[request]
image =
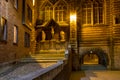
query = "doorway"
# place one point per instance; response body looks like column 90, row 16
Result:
column 90, row 59
column 94, row 59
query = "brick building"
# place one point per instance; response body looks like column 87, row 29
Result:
column 95, row 34
column 17, row 29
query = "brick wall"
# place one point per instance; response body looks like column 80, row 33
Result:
column 9, row 51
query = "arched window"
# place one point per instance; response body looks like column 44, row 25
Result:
column 90, row 59
column 60, row 13
column 92, row 12
column 87, row 10
column 48, row 13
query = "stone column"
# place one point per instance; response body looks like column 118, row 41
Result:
column 73, row 37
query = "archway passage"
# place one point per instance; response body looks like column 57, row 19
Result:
column 90, row 59
column 95, row 58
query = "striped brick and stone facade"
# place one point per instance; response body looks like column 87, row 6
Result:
column 96, row 30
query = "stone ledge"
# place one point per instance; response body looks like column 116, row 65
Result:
column 40, row 72
column 8, row 63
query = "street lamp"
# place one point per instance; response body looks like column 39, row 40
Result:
column 73, row 17
column 73, row 30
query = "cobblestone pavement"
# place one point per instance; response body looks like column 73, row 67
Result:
column 13, row 72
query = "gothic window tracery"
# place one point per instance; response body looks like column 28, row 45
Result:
column 60, row 12
column 92, row 12
column 56, row 11
column 48, row 13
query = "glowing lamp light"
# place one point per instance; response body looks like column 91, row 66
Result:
column 73, row 17
column 33, row 2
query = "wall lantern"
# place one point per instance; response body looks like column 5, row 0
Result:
column 33, row 2
column 73, row 17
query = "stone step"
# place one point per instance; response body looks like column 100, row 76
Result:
column 45, row 58
column 91, row 78
column 47, row 55
column 40, row 56
column 95, row 78
column 93, row 67
column 38, row 61
column 85, row 78
column 50, row 52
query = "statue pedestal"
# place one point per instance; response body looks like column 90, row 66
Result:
column 52, row 45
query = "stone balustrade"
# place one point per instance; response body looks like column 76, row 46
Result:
column 46, row 73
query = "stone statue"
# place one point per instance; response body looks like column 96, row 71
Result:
column 62, row 35
column 43, row 35
column 52, row 32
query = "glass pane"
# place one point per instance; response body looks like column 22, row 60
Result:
column 61, row 16
column 89, row 16
column 101, row 15
column 15, row 35
column 100, row 4
column 95, row 4
column 51, row 14
column 64, row 16
column 117, row 19
column 84, row 6
column 89, row 5
column 57, row 16
column 95, row 15
column 3, row 29
column 84, row 16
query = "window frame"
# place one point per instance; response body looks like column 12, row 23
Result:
column 15, row 4
column 94, row 8
column 15, row 35
column 48, row 10
column 29, row 13
column 60, row 13
column 115, row 17
column 26, row 40
column 3, row 30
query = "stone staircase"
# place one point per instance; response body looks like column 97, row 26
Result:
column 101, row 75
column 93, row 67
column 91, row 78
column 44, row 58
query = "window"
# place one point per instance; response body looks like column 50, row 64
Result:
column 27, row 39
column 117, row 19
column 15, row 2
column 116, row 7
column 92, row 12
column 15, row 37
column 48, row 13
column 3, row 29
column 60, row 13
column 87, row 8
column 29, row 15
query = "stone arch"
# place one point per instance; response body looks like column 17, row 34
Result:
column 102, row 56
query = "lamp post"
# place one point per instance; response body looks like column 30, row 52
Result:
column 73, row 17
column 73, row 40
column 73, row 30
